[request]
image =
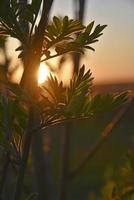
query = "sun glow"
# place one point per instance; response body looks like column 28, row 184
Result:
column 43, row 73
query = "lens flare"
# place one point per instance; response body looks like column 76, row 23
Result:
column 43, row 73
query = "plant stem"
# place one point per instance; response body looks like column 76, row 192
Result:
column 25, row 154
column 4, row 173
column 65, row 163
column 104, row 135
column 29, row 84
column 85, row 160
column 7, row 133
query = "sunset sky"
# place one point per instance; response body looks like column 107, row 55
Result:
column 113, row 59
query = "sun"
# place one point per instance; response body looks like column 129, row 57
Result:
column 43, row 73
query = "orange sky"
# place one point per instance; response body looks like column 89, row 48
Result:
column 113, row 59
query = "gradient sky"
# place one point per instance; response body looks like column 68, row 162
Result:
column 113, row 59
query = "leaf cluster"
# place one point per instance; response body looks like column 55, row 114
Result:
column 60, row 34
column 58, row 103
column 76, row 101
column 13, row 120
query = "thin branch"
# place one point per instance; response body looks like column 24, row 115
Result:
column 7, row 136
column 6, row 125
column 56, row 55
column 84, row 161
column 53, row 56
column 26, row 189
column 4, row 173
column 17, row 150
column 104, row 135
column 26, row 149
column 65, row 163
column 44, row 125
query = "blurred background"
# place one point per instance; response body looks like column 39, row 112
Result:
column 112, row 63
column 112, row 66
column 113, row 60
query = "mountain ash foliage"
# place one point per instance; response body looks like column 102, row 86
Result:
column 55, row 103
column 58, row 103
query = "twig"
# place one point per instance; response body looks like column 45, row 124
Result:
column 65, row 163
column 7, row 136
column 26, row 189
column 104, row 135
column 4, row 173
column 25, row 154
column 6, row 124
column 44, row 125
column 84, row 161
column 53, row 56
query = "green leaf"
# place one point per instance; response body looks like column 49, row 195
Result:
column 20, row 48
column 57, row 23
column 75, row 101
column 9, row 23
column 60, row 30
column 99, row 29
column 60, row 35
column 65, row 25
column 89, row 27
column 54, row 90
column 104, row 103
column 90, row 48
column 79, row 89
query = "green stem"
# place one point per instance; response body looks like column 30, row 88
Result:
column 25, row 154
column 106, row 132
column 65, row 164
column 4, row 173
column 53, row 56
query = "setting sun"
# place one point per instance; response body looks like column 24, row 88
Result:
column 43, row 73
